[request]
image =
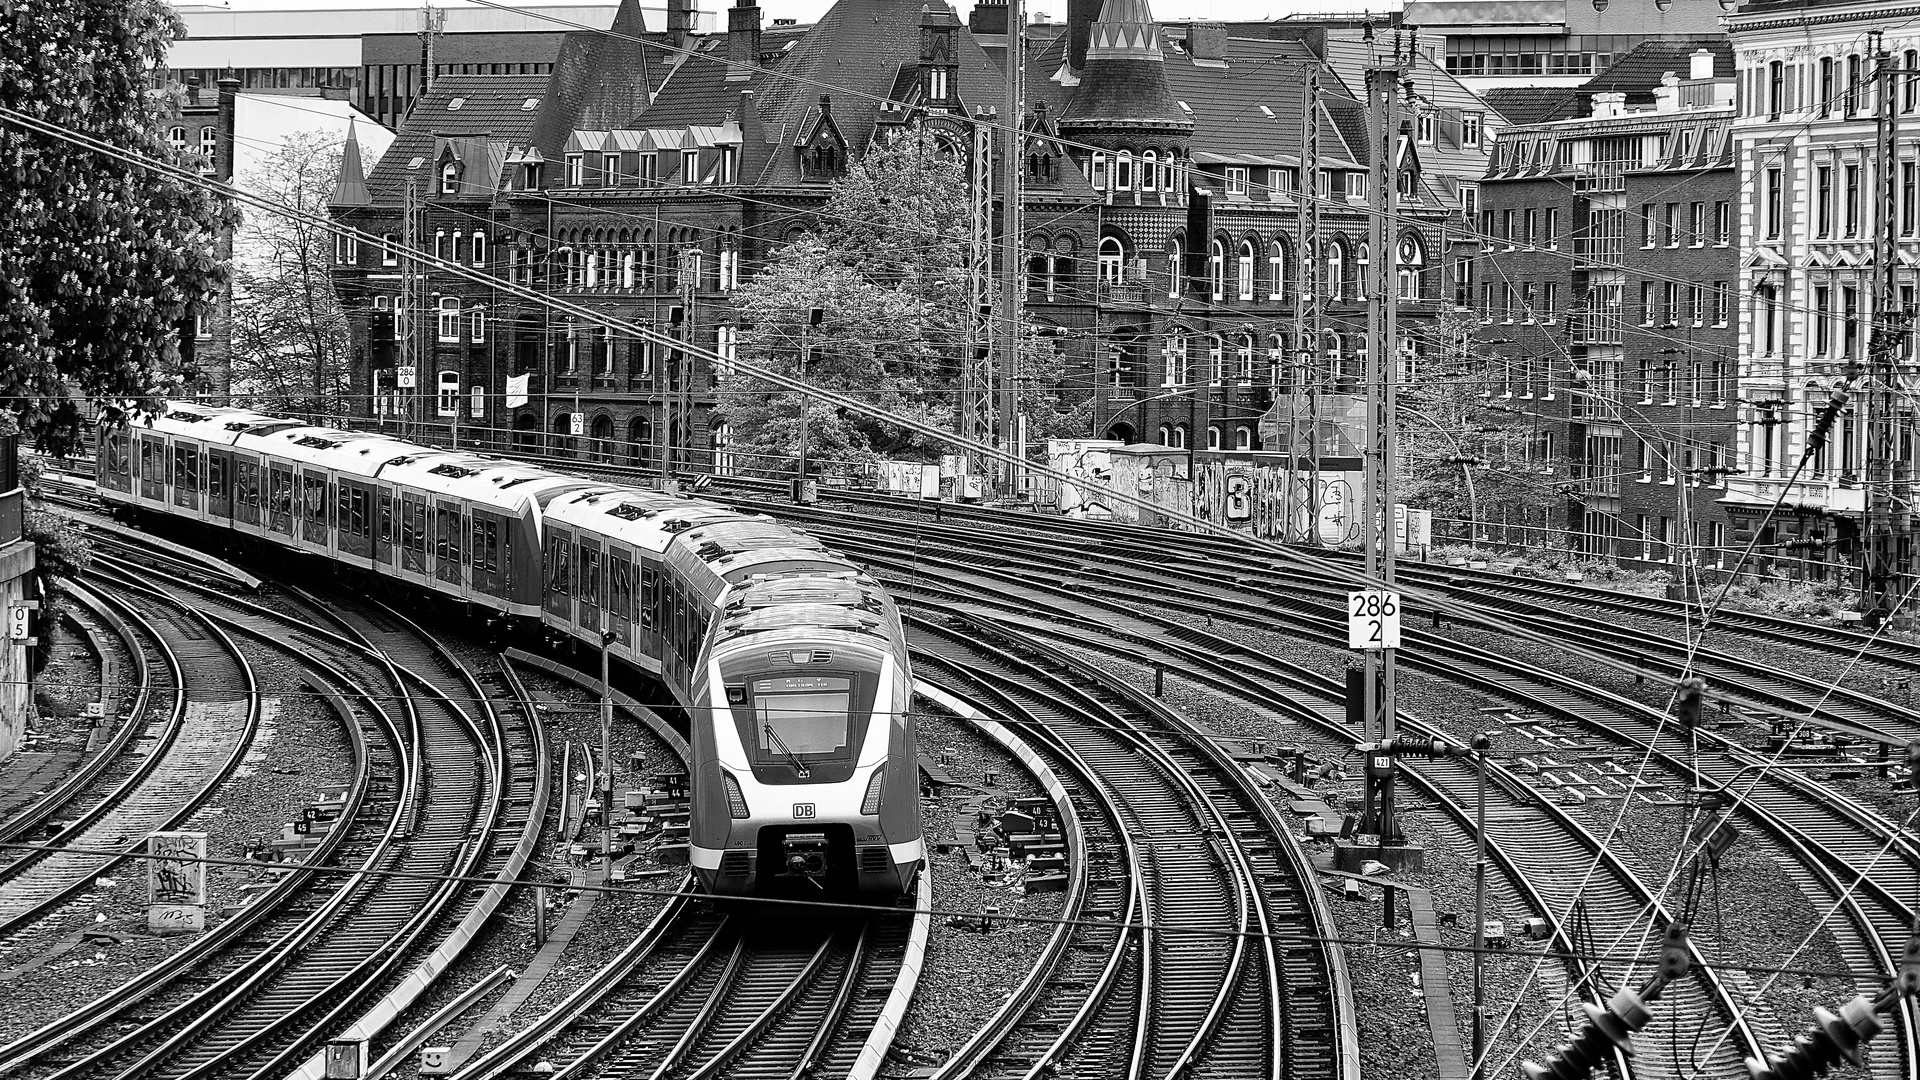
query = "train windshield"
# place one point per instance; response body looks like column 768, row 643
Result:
column 802, row 714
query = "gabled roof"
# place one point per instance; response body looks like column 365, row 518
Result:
column 1638, row 71
column 1256, row 104
column 1435, row 91
column 491, row 105
column 1535, row 104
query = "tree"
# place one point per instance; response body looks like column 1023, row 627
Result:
column 291, row 347
column 103, row 260
column 1452, row 424
column 886, row 268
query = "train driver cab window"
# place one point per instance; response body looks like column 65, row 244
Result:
column 798, row 715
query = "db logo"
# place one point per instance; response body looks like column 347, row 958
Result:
column 803, row 810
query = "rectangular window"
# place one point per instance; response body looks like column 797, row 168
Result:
column 1720, row 303
column 1647, row 314
column 1670, row 306
column 1533, row 230
column 610, row 170
column 1670, row 226
column 1550, row 311
column 1853, row 200
column 449, row 319
column 1774, row 194
column 1553, row 228
column 1697, row 224
column 689, row 166
column 1723, row 223
column 1909, row 195
column 1236, row 178
column 1470, row 129
column 1529, row 297
column 1822, row 320
column 1646, row 225
column 1823, row 200
column 1850, row 321
column 649, row 168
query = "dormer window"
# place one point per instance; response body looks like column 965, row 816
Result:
column 1236, row 180
column 729, row 165
column 530, row 176
column 609, row 169
column 450, row 178
column 576, row 170
column 937, row 84
column 689, row 166
column 649, row 168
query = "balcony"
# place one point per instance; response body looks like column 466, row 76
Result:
column 1596, row 251
column 1594, row 328
column 1599, row 176
column 1824, row 495
column 1123, row 292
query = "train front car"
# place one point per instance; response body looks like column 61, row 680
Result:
column 808, row 783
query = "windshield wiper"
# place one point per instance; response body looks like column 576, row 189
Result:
column 798, row 765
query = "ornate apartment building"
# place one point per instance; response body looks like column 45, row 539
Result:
column 1812, row 258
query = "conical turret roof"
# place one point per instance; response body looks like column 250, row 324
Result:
column 1125, row 79
column 351, row 187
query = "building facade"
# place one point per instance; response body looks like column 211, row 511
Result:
column 1607, row 296
column 1816, row 241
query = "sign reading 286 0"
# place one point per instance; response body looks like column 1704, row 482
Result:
column 1373, row 619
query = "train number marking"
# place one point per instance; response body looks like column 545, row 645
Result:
column 1373, row 619
column 803, row 811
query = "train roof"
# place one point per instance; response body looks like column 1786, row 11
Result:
column 360, row 452
column 211, row 423
column 482, row 479
column 649, row 520
column 846, row 600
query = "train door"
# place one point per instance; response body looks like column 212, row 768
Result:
column 413, row 533
column 219, row 483
column 314, row 507
column 649, row 605
column 153, row 468
column 449, row 528
column 483, row 553
column 246, row 490
column 279, row 497
column 620, row 594
column 186, row 474
column 353, row 518
column 587, row 577
column 114, row 458
column 383, row 528
column 558, row 562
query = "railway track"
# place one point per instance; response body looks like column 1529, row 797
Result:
column 212, row 710
column 450, row 810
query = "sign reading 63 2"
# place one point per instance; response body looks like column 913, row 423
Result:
column 1373, row 619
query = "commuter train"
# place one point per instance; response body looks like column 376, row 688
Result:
column 788, row 660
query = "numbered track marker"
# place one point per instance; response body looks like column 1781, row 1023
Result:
column 1373, row 619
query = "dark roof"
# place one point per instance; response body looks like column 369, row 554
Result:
column 1523, row 105
column 350, row 189
column 854, row 52
column 599, row 81
column 1638, row 71
column 1130, row 91
column 490, row 105
column 1227, row 101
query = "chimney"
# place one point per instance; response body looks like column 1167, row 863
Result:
column 223, row 149
column 743, row 40
column 1081, row 15
column 988, row 17
column 1666, row 96
column 1609, row 104
column 1207, row 41
column 679, row 23
column 1701, row 64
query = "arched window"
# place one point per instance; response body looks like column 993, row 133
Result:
column 1175, row 271
column 1097, row 172
column 447, row 400
column 1246, row 358
column 1149, row 166
column 1166, row 435
column 479, row 249
column 1216, row 360
column 1276, row 271
column 177, row 138
column 449, row 318
column 1112, row 261
column 720, row 437
column 726, row 349
column 477, row 326
column 1176, row 361
column 450, row 178
column 573, row 347
column 1217, row 269
column 1362, row 259
column 389, row 249
column 627, row 260
column 1277, row 360
column 1179, row 436
column 1336, row 354
column 1213, row 437
column 1123, row 171
column 1412, row 264
column 210, row 142
column 1242, row 437
column 1244, row 270
column 1336, row 269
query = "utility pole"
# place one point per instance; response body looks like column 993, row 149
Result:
column 1011, row 159
column 1306, row 300
column 407, row 375
column 1376, row 528
column 1886, row 541
column 976, row 365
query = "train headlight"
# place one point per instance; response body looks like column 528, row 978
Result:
column 736, row 802
column 871, row 804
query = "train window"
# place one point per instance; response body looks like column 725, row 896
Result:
column 619, row 587
column 150, row 461
column 486, row 545
column 117, row 452
column 247, row 483
column 590, row 575
column 413, row 526
column 217, row 469
column 477, row 543
column 386, row 516
column 280, row 499
column 313, row 496
column 354, row 517
column 807, row 714
column 558, row 564
column 445, row 546
column 649, row 597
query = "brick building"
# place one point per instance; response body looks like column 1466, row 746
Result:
column 1811, row 264
column 1606, row 297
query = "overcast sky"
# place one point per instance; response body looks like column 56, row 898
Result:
column 807, row 10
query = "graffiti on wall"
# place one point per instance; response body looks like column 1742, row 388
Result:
column 1265, row 500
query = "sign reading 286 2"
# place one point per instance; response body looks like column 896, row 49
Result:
column 1373, row 619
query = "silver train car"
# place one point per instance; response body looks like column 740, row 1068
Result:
column 789, row 661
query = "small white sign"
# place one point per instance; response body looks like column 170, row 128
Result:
column 19, row 619
column 1373, row 619
column 576, row 424
column 405, row 377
